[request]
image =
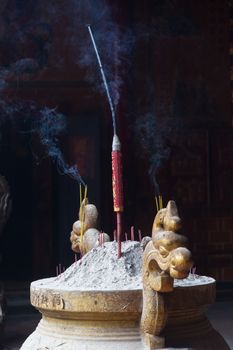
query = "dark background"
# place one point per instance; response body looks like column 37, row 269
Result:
column 186, row 70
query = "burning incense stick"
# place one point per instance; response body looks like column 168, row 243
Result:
column 157, row 204
column 116, row 153
column 160, row 202
column 80, row 194
column 81, row 209
column 83, row 215
column 117, row 187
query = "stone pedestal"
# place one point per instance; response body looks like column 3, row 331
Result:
column 104, row 320
column 86, row 320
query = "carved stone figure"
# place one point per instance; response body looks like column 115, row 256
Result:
column 165, row 257
column 85, row 234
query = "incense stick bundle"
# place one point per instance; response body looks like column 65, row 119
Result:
column 82, row 215
column 159, row 202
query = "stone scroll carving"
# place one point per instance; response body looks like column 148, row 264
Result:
column 165, row 257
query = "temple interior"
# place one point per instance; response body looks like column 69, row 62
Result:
column 169, row 64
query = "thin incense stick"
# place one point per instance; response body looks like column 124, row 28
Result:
column 157, row 204
column 140, row 235
column 104, row 80
column 81, row 210
column 114, row 235
column 80, row 195
column 160, row 202
column 100, row 239
column 83, row 214
column 119, row 227
column 85, row 195
column 132, row 233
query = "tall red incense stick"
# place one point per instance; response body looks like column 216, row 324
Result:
column 117, row 187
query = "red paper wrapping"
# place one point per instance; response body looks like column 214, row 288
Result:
column 117, row 185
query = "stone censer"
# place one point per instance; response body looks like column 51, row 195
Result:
column 161, row 311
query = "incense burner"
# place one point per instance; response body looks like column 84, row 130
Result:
column 166, row 311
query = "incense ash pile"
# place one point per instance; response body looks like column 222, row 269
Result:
column 100, row 269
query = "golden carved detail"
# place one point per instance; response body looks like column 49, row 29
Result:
column 85, row 235
column 165, row 257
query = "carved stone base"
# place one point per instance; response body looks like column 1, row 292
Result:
column 86, row 320
column 86, row 335
column 110, row 320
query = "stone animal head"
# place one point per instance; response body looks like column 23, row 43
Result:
column 164, row 231
column 167, row 218
column 174, row 257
